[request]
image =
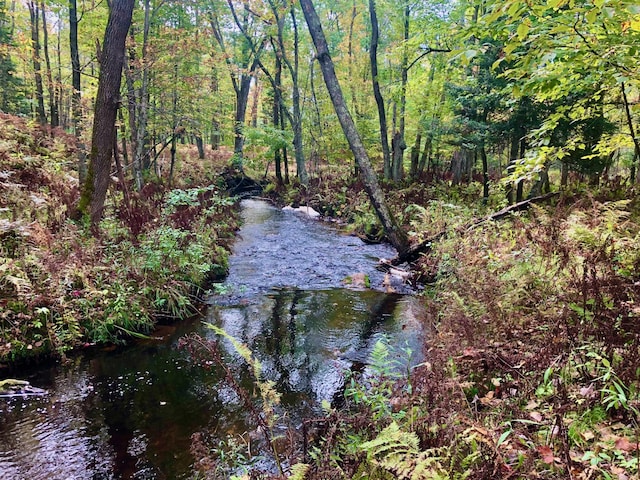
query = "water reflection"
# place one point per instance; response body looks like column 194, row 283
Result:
column 130, row 414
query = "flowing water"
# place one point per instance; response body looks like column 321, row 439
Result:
column 131, row 413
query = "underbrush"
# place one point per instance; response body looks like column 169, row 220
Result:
column 61, row 287
column 537, row 337
column 532, row 366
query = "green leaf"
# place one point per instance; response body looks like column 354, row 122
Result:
column 523, row 30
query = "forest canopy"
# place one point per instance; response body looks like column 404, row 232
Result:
column 504, row 92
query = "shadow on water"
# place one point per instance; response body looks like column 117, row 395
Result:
column 131, row 413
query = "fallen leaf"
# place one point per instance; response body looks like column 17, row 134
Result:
column 587, row 435
column 537, row 416
column 588, row 392
column 546, row 453
column 625, row 445
column 532, row 405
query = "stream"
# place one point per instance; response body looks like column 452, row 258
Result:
column 130, row 413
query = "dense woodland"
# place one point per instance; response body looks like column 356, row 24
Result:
column 123, row 126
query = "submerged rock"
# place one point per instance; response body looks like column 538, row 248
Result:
column 12, row 388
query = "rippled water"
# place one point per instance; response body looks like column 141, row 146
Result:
column 131, row 413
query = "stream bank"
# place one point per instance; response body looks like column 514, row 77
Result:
column 131, row 413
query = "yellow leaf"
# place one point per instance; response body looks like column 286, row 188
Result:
column 635, row 25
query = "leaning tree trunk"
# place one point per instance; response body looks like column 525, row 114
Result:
column 106, row 107
column 382, row 117
column 396, row 236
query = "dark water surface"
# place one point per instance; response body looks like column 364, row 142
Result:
column 131, row 413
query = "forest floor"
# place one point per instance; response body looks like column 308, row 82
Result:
column 62, row 288
column 532, row 367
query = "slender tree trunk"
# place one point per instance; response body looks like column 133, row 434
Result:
column 106, row 107
column 382, row 117
column 276, row 116
column 63, row 113
column 285, row 156
column 123, row 137
column 636, row 141
column 255, row 102
column 143, row 99
column 174, row 123
column 215, row 124
column 394, row 233
column 399, row 144
column 53, row 104
column 120, row 170
column 132, row 100
column 415, row 155
column 200, row 146
column 297, row 113
column 485, row 172
column 520, row 184
column 314, row 97
column 242, row 99
column 35, row 56
column 352, row 82
column 76, row 100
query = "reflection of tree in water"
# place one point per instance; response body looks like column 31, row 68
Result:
column 307, row 339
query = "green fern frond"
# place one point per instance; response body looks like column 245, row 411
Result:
column 397, row 452
column 299, row 471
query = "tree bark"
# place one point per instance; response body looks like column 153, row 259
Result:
column 636, row 142
column 35, row 56
column 76, row 97
column 106, row 107
column 276, row 116
column 415, row 156
column 399, row 144
column 485, row 172
column 394, row 233
column 297, row 113
column 53, row 102
column 143, row 99
column 382, row 117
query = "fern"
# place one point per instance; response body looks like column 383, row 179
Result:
column 397, row 452
column 299, row 471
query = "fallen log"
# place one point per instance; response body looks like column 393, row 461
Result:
column 415, row 251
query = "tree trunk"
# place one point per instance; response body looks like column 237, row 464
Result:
column 215, row 124
column 76, row 101
column 636, row 141
column 396, row 236
column 106, row 107
column 255, row 101
column 276, row 116
column 200, row 146
column 35, row 56
column 399, row 144
column 143, row 99
column 297, row 114
column 564, row 174
column 485, row 172
column 53, row 102
column 426, row 155
column 415, row 155
column 382, row 117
